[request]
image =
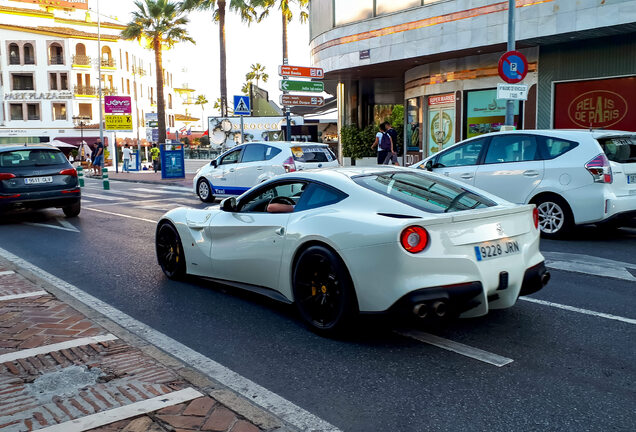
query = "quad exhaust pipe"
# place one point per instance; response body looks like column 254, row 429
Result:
column 438, row 308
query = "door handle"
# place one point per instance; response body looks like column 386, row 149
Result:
column 466, row 176
column 446, row 173
column 259, row 169
column 280, row 231
column 531, row 173
column 231, row 170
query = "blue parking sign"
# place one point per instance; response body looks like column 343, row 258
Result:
column 242, row 105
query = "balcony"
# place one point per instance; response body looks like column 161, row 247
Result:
column 56, row 60
column 109, row 91
column 29, row 60
column 136, row 70
column 108, row 63
column 84, row 90
column 14, row 60
column 81, row 60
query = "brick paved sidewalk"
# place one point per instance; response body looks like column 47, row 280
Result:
column 61, row 371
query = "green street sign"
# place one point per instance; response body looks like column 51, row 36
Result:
column 152, row 124
column 302, row 86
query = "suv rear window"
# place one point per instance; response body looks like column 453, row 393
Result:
column 309, row 154
column 619, row 149
column 422, row 191
column 31, row 157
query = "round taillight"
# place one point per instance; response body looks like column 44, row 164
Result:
column 535, row 217
column 414, row 239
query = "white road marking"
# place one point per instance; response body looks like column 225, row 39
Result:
column 579, row 310
column 158, row 190
column 121, row 215
column 258, row 395
column 6, row 272
column 25, row 295
column 589, row 265
column 103, row 197
column 66, row 224
column 51, row 226
column 177, row 188
column 132, row 410
column 459, row 348
column 45, row 349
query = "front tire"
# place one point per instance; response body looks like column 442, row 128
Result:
column 204, row 191
column 170, row 252
column 555, row 217
column 72, row 210
column 323, row 291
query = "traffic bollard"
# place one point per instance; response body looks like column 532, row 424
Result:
column 80, row 175
column 105, row 178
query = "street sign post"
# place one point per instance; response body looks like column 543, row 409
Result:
column 118, row 122
column 300, row 71
column 242, row 107
column 512, row 91
column 302, row 86
column 298, row 100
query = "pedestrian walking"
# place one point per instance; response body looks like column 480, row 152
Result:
column 126, row 152
column 154, row 154
column 71, row 159
column 98, row 160
column 393, row 156
column 383, row 144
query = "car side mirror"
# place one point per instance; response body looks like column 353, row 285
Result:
column 429, row 165
column 213, row 163
column 229, row 204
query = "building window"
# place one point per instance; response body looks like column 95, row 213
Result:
column 63, row 81
column 22, row 81
column 169, row 101
column 52, row 81
column 127, row 86
column 59, row 111
column 80, row 58
column 58, row 81
column 14, row 54
column 127, row 61
column 33, row 111
column 353, row 11
column 107, row 57
column 56, row 54
column 86, row 110
column 16, row 111
column 29, row 54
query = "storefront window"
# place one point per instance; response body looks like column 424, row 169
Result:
column 485, row 113
column 413, row 125
column 348, row 11
column 387, row 6
column 441, row 122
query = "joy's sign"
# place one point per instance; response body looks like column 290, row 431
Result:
column 117, row 105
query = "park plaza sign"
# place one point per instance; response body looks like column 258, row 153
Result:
column 18, row 96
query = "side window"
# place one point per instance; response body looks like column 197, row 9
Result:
column 555, row 147
column 271, row 152
column 511, row 148
column 254, row 153
column 231, row 158
column 285, row 193
column 462, row 155
column 319, row 196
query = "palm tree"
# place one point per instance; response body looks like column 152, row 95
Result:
column 162, row 22
column 286, row 15
column 201, row 100
column 257, row 73
column 248, row 14
column 218, row 103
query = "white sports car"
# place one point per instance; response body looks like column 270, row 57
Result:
column 345, row 241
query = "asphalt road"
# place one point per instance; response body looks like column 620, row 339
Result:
column 571, row 369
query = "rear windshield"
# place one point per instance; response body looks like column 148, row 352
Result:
column 422, row 191
column 310, row 154
column 619, row 149
column 31, row 157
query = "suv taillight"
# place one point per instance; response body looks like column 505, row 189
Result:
column 600, row 169
column 289, row 165
column 6, row 176
column 70, row 172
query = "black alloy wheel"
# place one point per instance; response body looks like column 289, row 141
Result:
column 170, row 252
column 323, row 292
column 72, row 210
column 204, row 191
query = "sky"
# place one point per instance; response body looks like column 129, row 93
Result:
column 198, row 65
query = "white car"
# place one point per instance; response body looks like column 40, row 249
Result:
column 574, row 177
column 368, row 240
column 244, row 166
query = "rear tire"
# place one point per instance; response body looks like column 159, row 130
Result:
column 72, row 210
column 204, row 190
column 323, row 292
column 170, row 252
column 555, row 217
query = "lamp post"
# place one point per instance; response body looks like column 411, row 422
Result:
column 79, row 122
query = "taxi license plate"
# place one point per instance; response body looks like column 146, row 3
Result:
column 631, row 178
column 491, row 250
column 38, row 180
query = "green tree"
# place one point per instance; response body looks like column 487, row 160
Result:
column 163, row 24
column 218, row 103
column 257, row 73
column 286, row 14
column 201, row 100
column 218, row 8
column 246, row 88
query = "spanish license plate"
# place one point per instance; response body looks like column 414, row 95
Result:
column 38, row 180
column 631, row 178
column 491, row 250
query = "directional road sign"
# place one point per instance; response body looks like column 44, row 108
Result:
column 513, row 67
column 116, row 122
column 242, row 105
column 303, row 86
column 300, row 71
column 297, row 100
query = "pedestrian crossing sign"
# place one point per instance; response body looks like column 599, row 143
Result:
column 242, row 105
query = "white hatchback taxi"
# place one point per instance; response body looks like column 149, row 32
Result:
column 247, row 165
column 574, row 177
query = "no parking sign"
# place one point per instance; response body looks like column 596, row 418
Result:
column 513, row 67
